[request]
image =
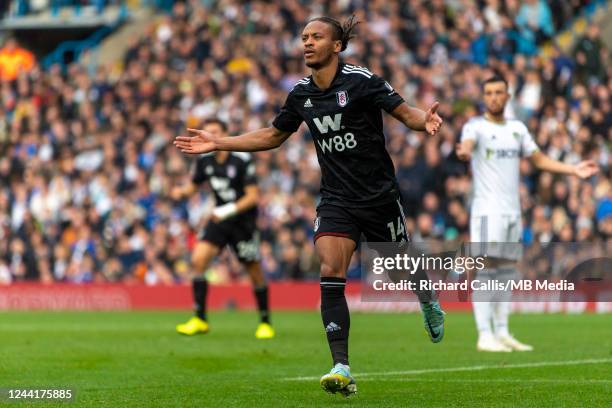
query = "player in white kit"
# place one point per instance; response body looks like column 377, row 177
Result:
column 495, row 146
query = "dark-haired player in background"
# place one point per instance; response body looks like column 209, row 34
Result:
column 231, row 177
column 341, row 104
column 494, row 145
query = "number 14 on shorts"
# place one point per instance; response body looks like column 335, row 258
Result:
column 398, row 232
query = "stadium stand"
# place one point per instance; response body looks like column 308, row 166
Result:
column 86, row 160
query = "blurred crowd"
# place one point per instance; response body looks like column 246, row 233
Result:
column 86, row 160
column 21, row 8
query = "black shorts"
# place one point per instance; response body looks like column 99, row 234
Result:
column 240, row 234
column 383, row 223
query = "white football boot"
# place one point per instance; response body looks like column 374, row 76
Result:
column 514, row 344
column 489, row 343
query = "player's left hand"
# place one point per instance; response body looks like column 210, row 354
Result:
column 586, row 169
column 433, row 121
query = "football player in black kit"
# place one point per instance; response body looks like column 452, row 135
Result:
column 341, row 104
column 231, row 176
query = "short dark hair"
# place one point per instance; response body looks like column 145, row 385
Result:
column 340, row 32
column 495, row 78
column 216, row 121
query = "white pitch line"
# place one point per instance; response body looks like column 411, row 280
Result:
column 470, row 368
column 502, row 380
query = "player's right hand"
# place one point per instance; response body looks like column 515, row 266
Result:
column 200, row 142
column 462, row 152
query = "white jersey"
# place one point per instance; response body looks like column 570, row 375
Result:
column 495, row 163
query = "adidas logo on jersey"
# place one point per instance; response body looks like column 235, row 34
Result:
column 332, row 327
column 308, row 104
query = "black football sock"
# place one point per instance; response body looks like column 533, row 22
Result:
column 261, row 296
column 200, row 289
column 415, row 276
column 424, row 295
column 336, row 317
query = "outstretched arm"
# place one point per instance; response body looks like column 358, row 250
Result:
column 584, row 169
column 464, row 149
column 417, row 119
column 201, row 141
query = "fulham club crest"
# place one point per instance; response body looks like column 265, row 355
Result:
column 231, row 171
column 342, row 98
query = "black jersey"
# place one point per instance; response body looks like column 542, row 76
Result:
column 227, row 179
column 346, row 124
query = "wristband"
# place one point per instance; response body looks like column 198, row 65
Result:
column 225, row 211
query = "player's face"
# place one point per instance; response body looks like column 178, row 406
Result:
column 215, row 129
column 319, row 48
column 495, row 97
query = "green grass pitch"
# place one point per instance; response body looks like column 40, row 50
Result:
column 135, row 359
